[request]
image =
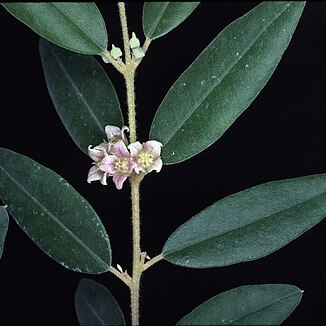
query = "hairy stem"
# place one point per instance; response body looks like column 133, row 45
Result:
column 137, row 262
column 137, row 265
column 116, row 64
column 152, row 262
column 125, row 34
column 125, row 278
column 130, row 85
column 128, row 70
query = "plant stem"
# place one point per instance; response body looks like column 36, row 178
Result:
column 130, row 86
column 125, row 35
column 129, row 74
column 125, row 278
column 152, row 262
column 137, row 262
column 117, row 65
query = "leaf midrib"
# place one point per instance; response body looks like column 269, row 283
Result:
column 92, row 309
column 194, row 243
column 159, row 17
column 70, row 18
column 57, row 221
column 210, row 89
column 231, row 322
column 75, row 87
column 264, row 307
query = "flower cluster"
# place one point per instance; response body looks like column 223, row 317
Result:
column 112, row 157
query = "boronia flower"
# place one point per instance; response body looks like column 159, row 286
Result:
column 112, row 158
column 119, row 165
column 114, row 134
column 147, row 156
column 99, row 152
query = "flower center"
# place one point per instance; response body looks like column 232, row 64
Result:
column 121, row 165
column 145, row 159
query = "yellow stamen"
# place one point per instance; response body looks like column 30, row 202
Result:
column 145, row 159
column 121, row 164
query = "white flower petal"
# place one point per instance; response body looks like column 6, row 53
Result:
column 107, row 164
column 103, row 179
column 120, row 149
column 119, row 179
column 132, row 165
column 123, row 129
column 157, row 165
column 112, row 132
column 135, row 148
column 97, row 153
column 94, row 174
column 154, row 147
column 139, row 169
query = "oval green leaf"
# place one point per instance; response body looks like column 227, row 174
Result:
column 4, row 221
column 267, row 304
column 53, row 214
column 76, row 26
column 249, row 224
column 95, row 305
column 82, row 93
column 222, row 82
column 159, row 18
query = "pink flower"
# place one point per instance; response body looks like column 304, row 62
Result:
column 97, row 154
column 112, row 158
column 114, row 134
column 120, row 165
column 147, row 156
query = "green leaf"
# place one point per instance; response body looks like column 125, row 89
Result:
column 4, row 221
column 95, row 305
column 267, row 304
column 82, row 93
column 53, row 214
column 249, row 224
column 159, row 18
column 222, row 82
column 76, row 26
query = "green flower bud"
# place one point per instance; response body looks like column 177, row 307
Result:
column 115, row 52
column 134, row 41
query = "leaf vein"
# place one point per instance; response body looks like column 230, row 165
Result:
column 159, row 17
column 55, row 219
column 92, row 309
column 77, row 25
column 264, row 307
column 78, row 92
column 217, row 234
column 211, row 88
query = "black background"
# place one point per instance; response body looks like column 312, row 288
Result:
column 281, row 135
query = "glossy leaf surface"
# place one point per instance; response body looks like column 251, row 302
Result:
column 4, row 221
column 82, row 93
column 249, row 224
column 53, row 214
column 224, row 79
column 267, row 304
column 95, row 305
column 76, row 26
column 159, row 18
